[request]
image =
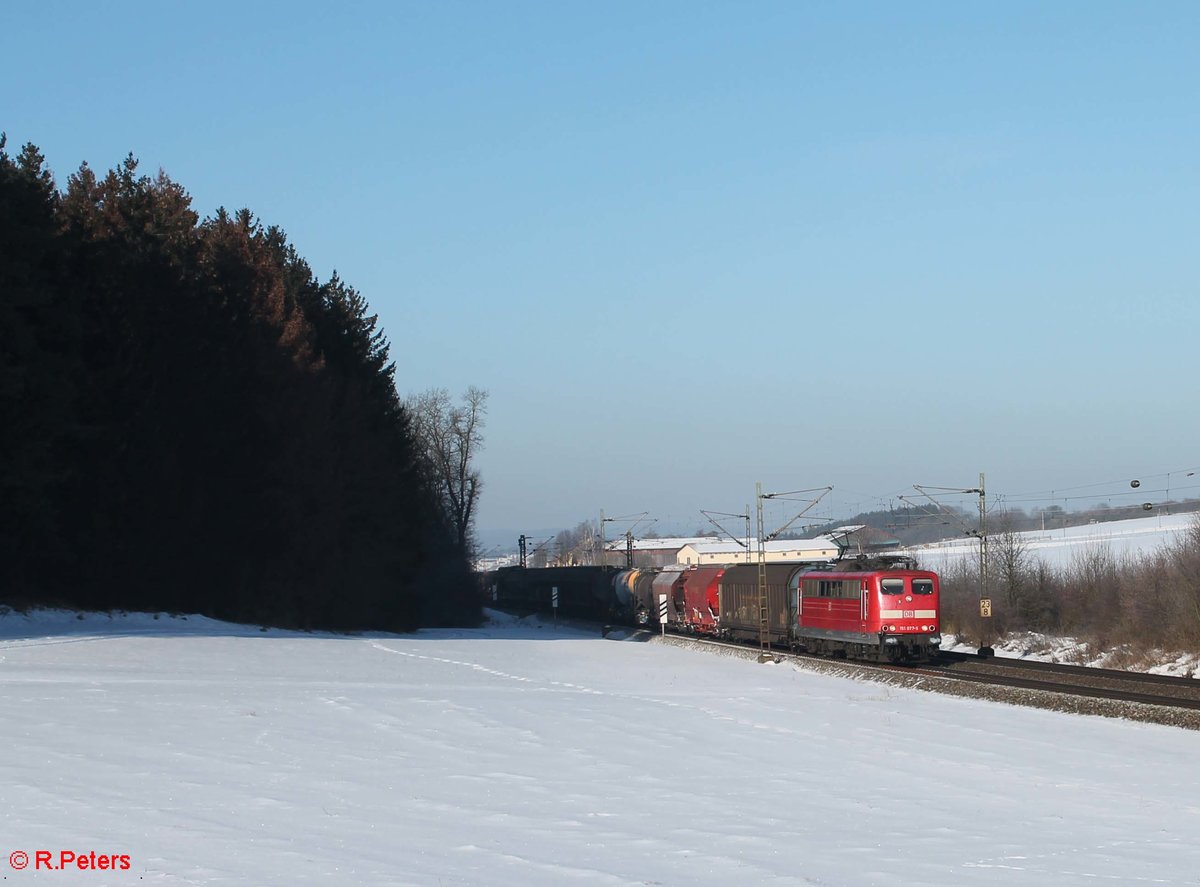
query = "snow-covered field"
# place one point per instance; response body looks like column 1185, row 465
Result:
column 521, row 754
column 1059, row 548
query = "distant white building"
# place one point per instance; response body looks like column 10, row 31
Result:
column 649, row 552
column 710, row 552
column 487, row 564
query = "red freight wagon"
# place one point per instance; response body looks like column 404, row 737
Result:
column 700, row 605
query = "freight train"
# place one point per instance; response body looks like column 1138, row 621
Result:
column 886, row 611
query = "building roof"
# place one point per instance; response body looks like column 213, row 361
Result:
column 711, row 547
column 673, row 543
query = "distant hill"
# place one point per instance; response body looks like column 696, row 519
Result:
column 1061, row 546
column 917, row 526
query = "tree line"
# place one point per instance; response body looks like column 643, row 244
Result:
column 1135, row 602
column 190, row 421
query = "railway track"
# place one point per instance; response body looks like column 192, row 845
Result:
column 1078, row 689
column 1135, row 696
column 1072, row 680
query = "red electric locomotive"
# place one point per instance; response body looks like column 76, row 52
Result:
column 854, row 609
column 888, row 614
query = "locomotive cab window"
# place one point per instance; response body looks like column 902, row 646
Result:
column 922, row 586
column 892, row 586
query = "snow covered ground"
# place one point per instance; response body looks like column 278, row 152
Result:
column 522, row 754
column 1058, row 547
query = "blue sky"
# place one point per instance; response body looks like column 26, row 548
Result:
column 692, row 246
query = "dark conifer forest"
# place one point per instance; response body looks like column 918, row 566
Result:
column 191, row 422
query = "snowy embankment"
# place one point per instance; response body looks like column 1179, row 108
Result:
column 1072, row 651
column 522, row 754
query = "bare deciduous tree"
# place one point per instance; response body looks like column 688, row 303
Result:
column 450, row 436
column 1010, row 556
column 577, row 546
column 1185, row 562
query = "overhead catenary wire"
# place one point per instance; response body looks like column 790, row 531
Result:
column 1183, row 483
column 1057, row 492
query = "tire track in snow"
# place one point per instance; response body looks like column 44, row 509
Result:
column 552, row 686
column 474, row 666
column 1051, row 865
column 56, row 641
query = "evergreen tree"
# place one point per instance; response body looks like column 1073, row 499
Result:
column 38, row 340
column 193, row 422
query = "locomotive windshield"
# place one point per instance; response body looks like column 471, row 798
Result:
column 892, row 586
column 922, row 586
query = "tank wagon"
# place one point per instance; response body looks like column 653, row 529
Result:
column 635, row 588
